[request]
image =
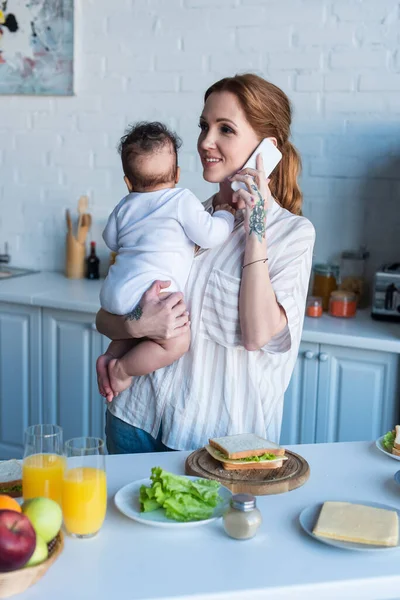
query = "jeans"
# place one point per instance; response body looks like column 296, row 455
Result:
column 122, row 438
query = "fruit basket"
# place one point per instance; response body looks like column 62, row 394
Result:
column 15, row 582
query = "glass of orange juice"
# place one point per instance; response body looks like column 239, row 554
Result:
column 84, row 489
column 43, row 462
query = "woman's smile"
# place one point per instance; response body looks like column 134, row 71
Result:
column 209, row 162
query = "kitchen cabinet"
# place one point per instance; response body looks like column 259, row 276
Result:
column 20, row 375
column 300, row 405
column 71, row 399
column 340, row 394
column 359, row 394
column 47, row 374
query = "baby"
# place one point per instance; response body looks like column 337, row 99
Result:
column 153, row 230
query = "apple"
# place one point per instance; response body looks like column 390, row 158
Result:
column 45, row 515
column 17, row 540
column 40, row 554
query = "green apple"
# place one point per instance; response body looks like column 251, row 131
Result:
column 45, row 516
column 40, row 553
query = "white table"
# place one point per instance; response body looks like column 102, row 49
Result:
column 131, row 561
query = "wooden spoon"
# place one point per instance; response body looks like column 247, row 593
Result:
column 82, row 233
column 84, row 228
column 68, row 219
column 87, row 220
column 82, row 208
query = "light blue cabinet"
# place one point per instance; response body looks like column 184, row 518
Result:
column 358, row 395
column 20, row 375
column 71, row 346
column 300, row 406
column 340, row 394
column 47, row 374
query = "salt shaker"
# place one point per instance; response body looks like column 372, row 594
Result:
column 242, row 519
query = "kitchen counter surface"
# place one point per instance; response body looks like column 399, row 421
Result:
column 53, row 290
column 138, row 562
column 359, row 332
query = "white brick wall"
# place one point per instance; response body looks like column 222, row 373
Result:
column 143, row 59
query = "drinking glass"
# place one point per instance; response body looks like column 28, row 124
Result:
column 43, row 462
column 84, row 489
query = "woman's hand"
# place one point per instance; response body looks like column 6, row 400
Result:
column 255, row 199
column 161, row 315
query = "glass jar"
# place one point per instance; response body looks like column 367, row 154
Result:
column 352, row 274
column 314, row 306
column 325, row 281
column 342, row 304
column 242, row 519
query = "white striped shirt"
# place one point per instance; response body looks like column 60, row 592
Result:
column 218, row 388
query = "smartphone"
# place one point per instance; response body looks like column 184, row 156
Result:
column 271, row 157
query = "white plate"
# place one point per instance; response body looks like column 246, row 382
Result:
column 308, row 518
column 381, row 447
column 127, row 502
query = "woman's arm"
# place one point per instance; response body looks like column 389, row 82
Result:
column 113, row 326
column 161, row 316
column 261, row 317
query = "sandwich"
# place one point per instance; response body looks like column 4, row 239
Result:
column 11, row 478
column 246, row 451
column 396, row 441
column 391, row 441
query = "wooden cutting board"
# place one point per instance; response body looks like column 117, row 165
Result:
column 259, row 482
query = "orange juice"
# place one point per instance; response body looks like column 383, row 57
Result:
column 42, row 475
column 84, row 500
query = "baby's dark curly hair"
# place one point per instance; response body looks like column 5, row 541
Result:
column 140, row 141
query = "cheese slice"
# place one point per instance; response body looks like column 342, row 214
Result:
column 358, row 523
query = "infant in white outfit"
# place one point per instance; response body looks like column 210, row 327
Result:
column 153, row 230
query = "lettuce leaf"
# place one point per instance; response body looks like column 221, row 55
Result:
column 4, row 489
column 182, row 498
column 266, row 456
column 388, row 440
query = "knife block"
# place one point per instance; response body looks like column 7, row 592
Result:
column 75, row 258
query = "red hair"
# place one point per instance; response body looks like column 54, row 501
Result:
column 268, row 110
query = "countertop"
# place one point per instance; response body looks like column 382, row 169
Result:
column 53, row 290
column 137, row 562
column 359, row 332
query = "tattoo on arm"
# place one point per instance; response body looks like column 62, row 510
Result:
column 258, row 216
column 135, row 314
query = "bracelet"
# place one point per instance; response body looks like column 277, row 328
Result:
column 264, row 260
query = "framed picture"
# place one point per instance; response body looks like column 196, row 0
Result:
column 37, row 47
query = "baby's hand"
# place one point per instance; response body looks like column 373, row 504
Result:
column 227, row 207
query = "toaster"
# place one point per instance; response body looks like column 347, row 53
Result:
column 386, row 293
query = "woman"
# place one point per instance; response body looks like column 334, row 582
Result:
column 245, row 298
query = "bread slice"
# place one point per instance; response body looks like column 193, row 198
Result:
column 396, row 443
column 395, row 451
column 358, row 523
column 240, row 463
column 243, row 445
column 11, row 478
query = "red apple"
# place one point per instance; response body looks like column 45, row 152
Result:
column 17, row 540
